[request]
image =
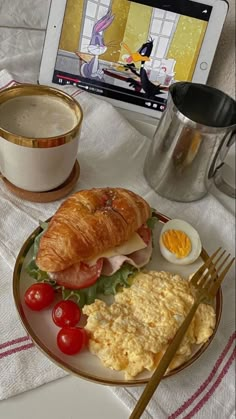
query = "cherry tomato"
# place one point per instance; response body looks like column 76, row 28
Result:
column 39, row 296
column 66, row 313
column 79, row 275
column 145, row 233
column 71, row 340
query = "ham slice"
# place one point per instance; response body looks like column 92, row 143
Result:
column 70, row 276
column 137, row 259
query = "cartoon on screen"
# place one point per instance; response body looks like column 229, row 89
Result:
column 127, row 48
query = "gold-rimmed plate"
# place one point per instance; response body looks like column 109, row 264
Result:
column 43, row 331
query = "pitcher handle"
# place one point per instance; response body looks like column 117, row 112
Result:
column 214, row 167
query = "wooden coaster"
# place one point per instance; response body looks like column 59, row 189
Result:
column 48, row 196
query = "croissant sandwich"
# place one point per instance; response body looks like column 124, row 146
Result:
column 95, row 233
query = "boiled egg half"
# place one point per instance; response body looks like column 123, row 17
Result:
column 179, row 242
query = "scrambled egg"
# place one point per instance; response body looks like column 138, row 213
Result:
column 132, row 334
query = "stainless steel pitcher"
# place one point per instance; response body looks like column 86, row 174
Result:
column 191, row 141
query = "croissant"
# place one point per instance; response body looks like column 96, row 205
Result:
column 88, row 223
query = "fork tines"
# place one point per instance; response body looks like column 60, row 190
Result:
column 209, row 276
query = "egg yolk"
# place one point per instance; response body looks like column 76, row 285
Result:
column 177, row 242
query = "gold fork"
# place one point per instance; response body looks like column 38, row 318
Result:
column 206, row 282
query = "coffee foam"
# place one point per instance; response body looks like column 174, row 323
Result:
column 36, row 116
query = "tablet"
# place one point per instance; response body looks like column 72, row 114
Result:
column 130, row 52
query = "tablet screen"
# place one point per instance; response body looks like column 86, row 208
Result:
column 130, row 51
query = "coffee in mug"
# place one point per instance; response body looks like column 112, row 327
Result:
column 39, row 136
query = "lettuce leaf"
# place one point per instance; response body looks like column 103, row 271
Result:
column 33, row 270
column 108, row 285
column 151, row 222
column 105, row 285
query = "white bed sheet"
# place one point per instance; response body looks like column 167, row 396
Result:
column 22, row 30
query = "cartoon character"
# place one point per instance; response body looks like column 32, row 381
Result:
column 97, row 47
column 143, row 54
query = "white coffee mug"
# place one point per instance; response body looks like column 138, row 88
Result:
column 39, row 136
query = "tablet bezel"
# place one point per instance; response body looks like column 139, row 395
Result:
column 201, row 72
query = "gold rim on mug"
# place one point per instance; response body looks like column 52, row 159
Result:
column 69, row 368
column 40, row 90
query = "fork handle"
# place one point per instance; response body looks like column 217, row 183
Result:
column 164, row 363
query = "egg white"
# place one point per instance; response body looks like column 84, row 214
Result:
column 194, row 237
